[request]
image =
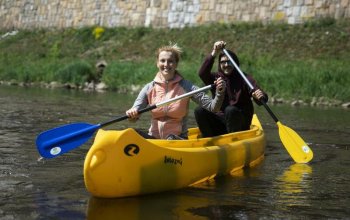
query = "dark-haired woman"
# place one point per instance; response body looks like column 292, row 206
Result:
column 237, row 110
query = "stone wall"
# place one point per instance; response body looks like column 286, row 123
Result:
column 26, row 14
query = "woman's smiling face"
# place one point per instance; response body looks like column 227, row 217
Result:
column 226, row 65
column 167, row 64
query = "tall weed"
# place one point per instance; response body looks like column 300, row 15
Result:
column 77, row 72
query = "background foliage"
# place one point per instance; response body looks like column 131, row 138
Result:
column 299, row 61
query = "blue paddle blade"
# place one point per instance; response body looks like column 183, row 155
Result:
column 60, row 140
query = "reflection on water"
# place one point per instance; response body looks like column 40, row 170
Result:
column 276, row 189
column 158, row 206
column 294, row 185
column 295, row 179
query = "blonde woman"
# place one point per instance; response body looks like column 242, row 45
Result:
column 170, row 122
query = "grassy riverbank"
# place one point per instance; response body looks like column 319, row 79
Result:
column 288, row 61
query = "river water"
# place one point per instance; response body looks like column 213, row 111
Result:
column 36, row 188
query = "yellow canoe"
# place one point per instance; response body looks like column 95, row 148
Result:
column 122, row 163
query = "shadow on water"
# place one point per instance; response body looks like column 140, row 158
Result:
column 158, row 206
column 203, row 201
column 34, row 188
column 225, row 197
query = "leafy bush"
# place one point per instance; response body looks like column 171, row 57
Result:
column 77, row 72
column 292, row 61
column 121, row 75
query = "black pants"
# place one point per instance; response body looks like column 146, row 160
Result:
column 144, row 134
column 211, row 124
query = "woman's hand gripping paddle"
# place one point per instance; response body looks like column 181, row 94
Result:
column 60, row 140
column 295, row 145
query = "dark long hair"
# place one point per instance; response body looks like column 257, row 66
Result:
column 234, row 57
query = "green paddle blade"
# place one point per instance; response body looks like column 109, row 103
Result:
column 295, row 145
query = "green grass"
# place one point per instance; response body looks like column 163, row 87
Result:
column 289, row 61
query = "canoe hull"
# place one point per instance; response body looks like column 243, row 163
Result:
column 122, row 163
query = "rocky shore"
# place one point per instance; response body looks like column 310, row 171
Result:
column 102, row 87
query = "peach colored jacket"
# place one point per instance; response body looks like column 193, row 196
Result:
column 172, row 118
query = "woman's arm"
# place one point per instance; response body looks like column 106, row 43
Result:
column 205, row 70
column 258, row 94
column 140, row 102
column 204, row 100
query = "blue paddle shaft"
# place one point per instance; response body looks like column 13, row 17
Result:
column 167, row 102
column 62, row 139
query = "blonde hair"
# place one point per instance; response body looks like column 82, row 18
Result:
column 173, row 48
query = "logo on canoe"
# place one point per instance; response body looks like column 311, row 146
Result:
column 131, row 150
column 172, row 160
